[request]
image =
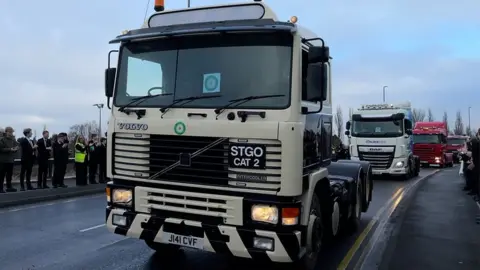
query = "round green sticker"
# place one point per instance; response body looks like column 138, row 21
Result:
column 179, row 128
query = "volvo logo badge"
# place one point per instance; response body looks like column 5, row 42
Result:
column 132, row 126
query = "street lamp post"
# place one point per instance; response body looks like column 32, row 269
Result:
column 469, row 127
column 188, row 3
column 384, row 87
column 100, row 107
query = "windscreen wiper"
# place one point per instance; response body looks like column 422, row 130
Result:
column 239, row 101
column 187, row 100
column 138, row 100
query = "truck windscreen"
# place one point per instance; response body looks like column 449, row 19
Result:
column 427, row 138
column 232, row 65
column 455, row 141
column 377, row 128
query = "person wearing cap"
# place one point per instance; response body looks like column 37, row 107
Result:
column 8, row 149
column 44, row 151
column 60, row 160
column 28, row 156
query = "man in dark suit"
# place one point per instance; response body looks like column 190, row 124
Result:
column 60, row 160
column 44, row 149
column 27, row 158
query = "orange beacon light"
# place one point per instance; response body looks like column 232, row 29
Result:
column 159, row 5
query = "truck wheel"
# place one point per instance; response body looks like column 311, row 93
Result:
column 314, row 237
column 417, row 170
column 353, row 222
column 165, row 250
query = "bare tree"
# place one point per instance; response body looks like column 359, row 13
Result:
column 339, row 121
column 430, row 117
column 458, row 129
column 445, row 120
column 418, row 115
column 85, row 129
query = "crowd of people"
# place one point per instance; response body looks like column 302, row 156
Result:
column 471, row 167
column 90, row 159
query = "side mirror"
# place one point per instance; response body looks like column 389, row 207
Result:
column 408, row 132
column 317, row 54
column 109, row 81
column 317, row 82
column 348, row 125
column 347, row 132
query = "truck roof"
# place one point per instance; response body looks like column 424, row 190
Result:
column 430, row 128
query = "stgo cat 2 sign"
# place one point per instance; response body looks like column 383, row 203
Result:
column 248, row 156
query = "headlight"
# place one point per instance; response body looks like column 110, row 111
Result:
column 399, row 164
column 265, row 213
column 122, row 196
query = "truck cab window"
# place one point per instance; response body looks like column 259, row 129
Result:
column 304, row 73
column 144, row 75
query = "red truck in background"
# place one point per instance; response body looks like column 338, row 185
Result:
column 457, row 144
column 430, row 144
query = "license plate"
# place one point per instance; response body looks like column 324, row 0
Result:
column 182, row 240
column 248, row 156
column 374, row 172
column 423, row 161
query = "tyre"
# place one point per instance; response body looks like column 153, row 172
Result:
column 417, row 171
column 309, row 260
column 353, row 222
column 165, row 250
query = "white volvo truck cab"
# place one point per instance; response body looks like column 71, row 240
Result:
column 220, row 137
column 382, row 135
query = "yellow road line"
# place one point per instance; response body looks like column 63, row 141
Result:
column 358, row 242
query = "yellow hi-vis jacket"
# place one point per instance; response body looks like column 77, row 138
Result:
column 80, row 155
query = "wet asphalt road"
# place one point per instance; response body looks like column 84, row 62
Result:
column 70, row 234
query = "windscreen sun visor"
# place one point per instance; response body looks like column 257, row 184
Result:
column 395, row 116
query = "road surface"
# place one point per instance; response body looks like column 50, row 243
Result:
column 70, row 234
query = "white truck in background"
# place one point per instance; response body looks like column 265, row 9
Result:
column 382, row 135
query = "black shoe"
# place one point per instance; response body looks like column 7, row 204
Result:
column 11, row 189
column 63, row 186
column 22, row 189
column 55, row 186
column 46, row 187
column 93, row 183
column 30, row 188
column 2, row 191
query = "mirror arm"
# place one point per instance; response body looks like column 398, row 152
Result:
column 108, row 103
column 319, row 109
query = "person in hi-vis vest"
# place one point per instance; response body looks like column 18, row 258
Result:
column 80, row 159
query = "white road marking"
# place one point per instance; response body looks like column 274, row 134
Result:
column 7, row 210
column 92, row 228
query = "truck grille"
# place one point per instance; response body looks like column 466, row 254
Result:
column 153, row 156
column 380, row 161
column 424, row 153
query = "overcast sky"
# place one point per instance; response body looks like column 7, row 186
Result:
column 53, row 53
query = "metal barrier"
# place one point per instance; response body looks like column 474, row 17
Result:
column 50, row 164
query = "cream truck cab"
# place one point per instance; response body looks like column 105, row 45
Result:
column 220, row 137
